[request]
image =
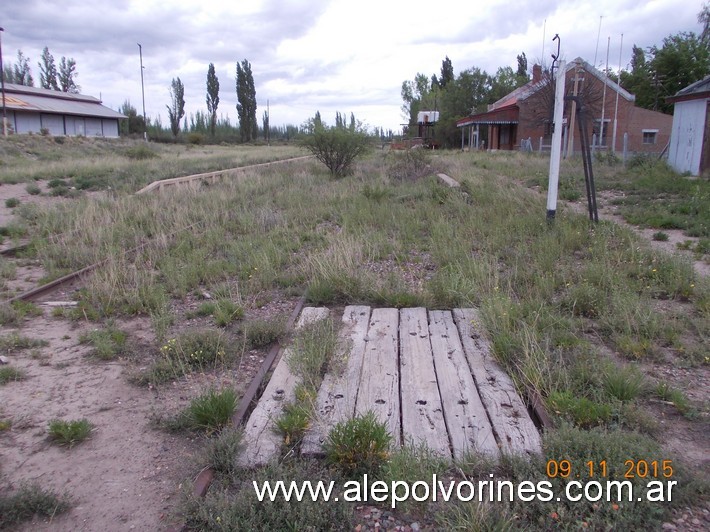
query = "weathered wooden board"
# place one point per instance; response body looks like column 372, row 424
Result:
column 509, row 417
column 379, row 384
column 261, row 442
column 422, row 412
column 466, row 418
column 338, row 392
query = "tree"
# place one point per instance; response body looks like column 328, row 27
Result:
column 21, row 73
column 337, row 147
column 212, row 97
column 704, row 19
column 503, row 83
column 47, row 71
column 66, row 75
column 135, row 125
column 447, row 72
column 522, row 72
column 176, row 109
column 246, row 96
column 265, row 123
column 683, row 59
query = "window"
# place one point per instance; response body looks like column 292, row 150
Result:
column 649, row 136
column 601, row 139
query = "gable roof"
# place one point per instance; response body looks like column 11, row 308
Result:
column 504, row 111
column 35, row 99
column 694, row 91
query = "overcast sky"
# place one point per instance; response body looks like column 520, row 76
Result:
column 326, row 55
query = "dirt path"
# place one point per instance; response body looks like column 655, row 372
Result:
column 607, row 211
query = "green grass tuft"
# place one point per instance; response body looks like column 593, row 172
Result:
column 69, row 433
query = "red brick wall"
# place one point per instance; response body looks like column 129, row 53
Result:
column 630, row 119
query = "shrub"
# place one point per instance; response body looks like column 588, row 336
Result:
column 11, row 203
column 196, row 138
column 33, row 189
column 221, row 452
column 140, row 152
column 660, row 236
column 69, row 432
column 28, row 501
column 337, row 147
column 9, row 374
column 359, row 445
column 260, row 333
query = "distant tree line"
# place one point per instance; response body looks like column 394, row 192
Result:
column 58, row 78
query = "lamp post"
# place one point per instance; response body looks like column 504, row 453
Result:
column 2, row 82
column 145, row 123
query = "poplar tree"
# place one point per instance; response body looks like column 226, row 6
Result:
column 212, row 97
column 66, row 75
column 47, row 71
column 176, row 109
column 246, row 108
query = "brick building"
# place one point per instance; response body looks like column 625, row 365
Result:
column 523, row 117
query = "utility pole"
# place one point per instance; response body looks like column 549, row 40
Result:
column 2, row 81
column 145, row 122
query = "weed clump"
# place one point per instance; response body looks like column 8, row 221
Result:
column 358, row 446
column 28, row 501
column 69, row 433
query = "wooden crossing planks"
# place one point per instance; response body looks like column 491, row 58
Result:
column 428, row 376
column 261, row 442
column 509, row 417
column 466, row 418
column 338, row 392
column 379, row 384
column 422, row 412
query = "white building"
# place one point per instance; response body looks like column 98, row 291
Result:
column 34, row 110
column 688, row 150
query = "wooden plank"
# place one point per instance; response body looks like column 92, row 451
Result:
column 261, row 442
column 509, row 416
column 379, row 385
column 466, row 418
column 338, row 392
column 422, row 412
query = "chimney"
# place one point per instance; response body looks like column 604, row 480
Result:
column 537, row 73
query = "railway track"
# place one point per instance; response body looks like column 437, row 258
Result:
column 156, row 186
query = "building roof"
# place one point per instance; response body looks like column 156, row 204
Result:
column 501, row 115
column 694, row 91
column 34, row 99
column 510, row 102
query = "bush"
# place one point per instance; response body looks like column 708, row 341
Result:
column 33, row 189
column 11, row 203
column 28, row 501
column 140, row 152
column 337, row 147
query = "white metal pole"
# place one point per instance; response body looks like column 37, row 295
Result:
column 556, row 148
column 602, row 129
column 616, row 105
